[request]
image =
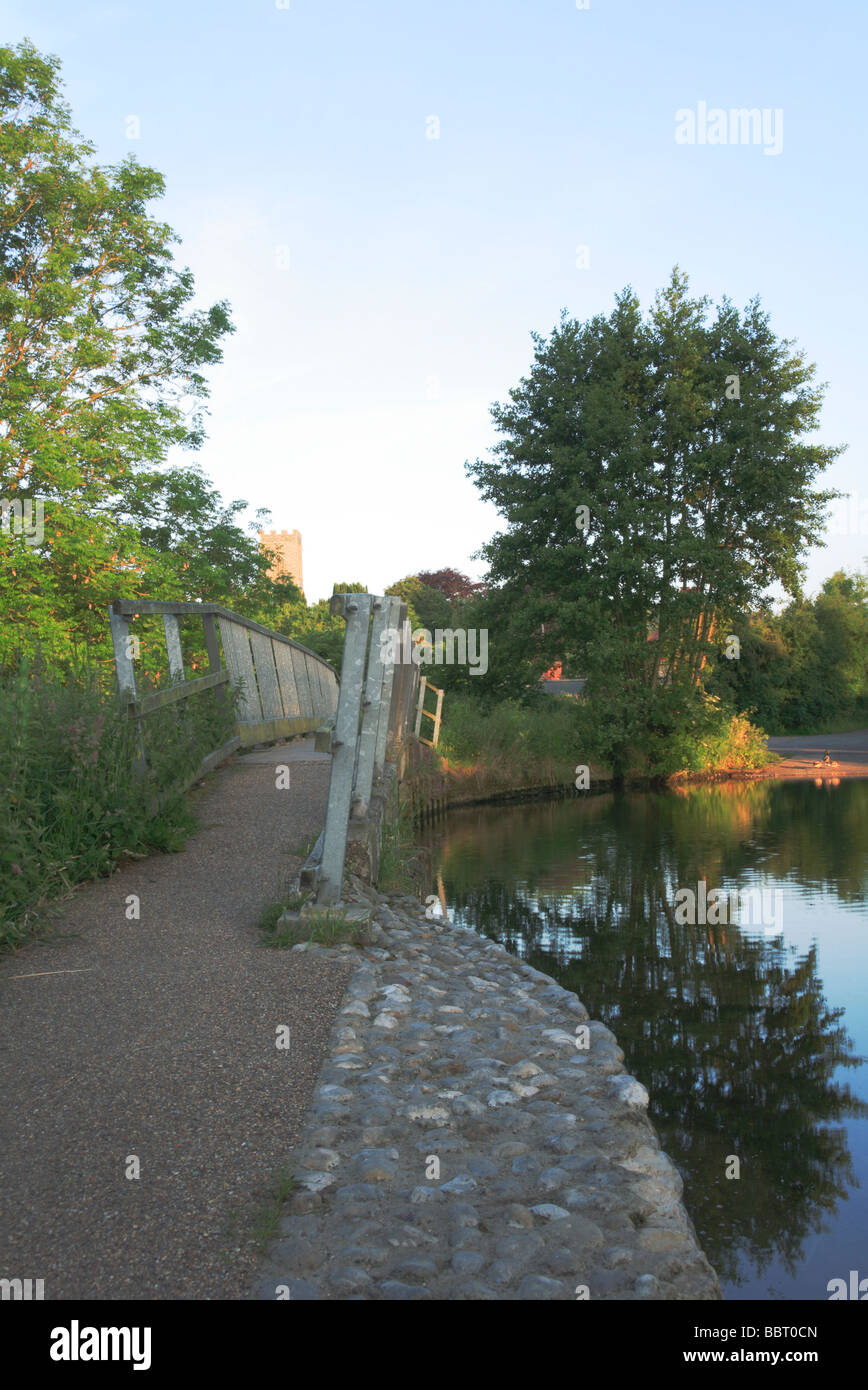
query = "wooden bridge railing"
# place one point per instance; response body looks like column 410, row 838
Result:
column 285, row 689
column 366, row 721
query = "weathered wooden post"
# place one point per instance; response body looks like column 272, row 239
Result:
column 405, row 715
column 402, row 677
column 385, row 715
column 122, row 643
column 420, row 707
column 119, row 624
column 356, row 609
column 435, row 736
column 172, row 629
column 212, row 647
column 371, row 710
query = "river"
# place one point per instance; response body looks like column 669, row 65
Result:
column 744, row 1013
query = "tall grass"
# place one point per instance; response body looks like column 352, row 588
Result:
column 401, row 866
column 72, row 802
column 510, row 746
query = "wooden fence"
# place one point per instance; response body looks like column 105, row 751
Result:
column 423, row 713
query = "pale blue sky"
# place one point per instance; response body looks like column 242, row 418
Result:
column 361, row 374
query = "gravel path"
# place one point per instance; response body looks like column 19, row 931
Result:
column 475, row 1136
column 157, row 1038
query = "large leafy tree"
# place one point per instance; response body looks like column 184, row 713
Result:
column 655, row 478
column 102, row 361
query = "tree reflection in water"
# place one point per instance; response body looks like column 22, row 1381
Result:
column 727, row 1026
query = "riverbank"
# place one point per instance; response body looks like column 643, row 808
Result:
column 443, row 787
column 802, row 753
column 475, row 1136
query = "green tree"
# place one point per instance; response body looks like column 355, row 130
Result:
column 427, row 607
column 318, row 628
column 842, row 611
column 102, row 362
column 758, row 681
column 655, row 480
column 807, row 666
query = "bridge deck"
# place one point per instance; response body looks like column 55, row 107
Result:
column 157, row 1038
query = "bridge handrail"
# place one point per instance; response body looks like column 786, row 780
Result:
column 130, row 608
column 285, row 689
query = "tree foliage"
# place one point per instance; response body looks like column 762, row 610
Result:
column 655, row 478
column 807, row 666
column 450, row 582
column 427, row 607
column 102, row 370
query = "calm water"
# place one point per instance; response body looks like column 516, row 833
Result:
column 749, row 1037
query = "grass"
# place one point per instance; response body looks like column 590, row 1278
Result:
column 509, row 746
column 486, row 751
column 271, row 915
column 324, row 928
column 254, row 1223
column 400, row 867
column 72, row 802
column 266, row 1218
column 302, row 850
column 731, row 744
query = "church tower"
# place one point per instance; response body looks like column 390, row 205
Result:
column 287, row 544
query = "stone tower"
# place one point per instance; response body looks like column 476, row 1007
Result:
column 287, row 544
